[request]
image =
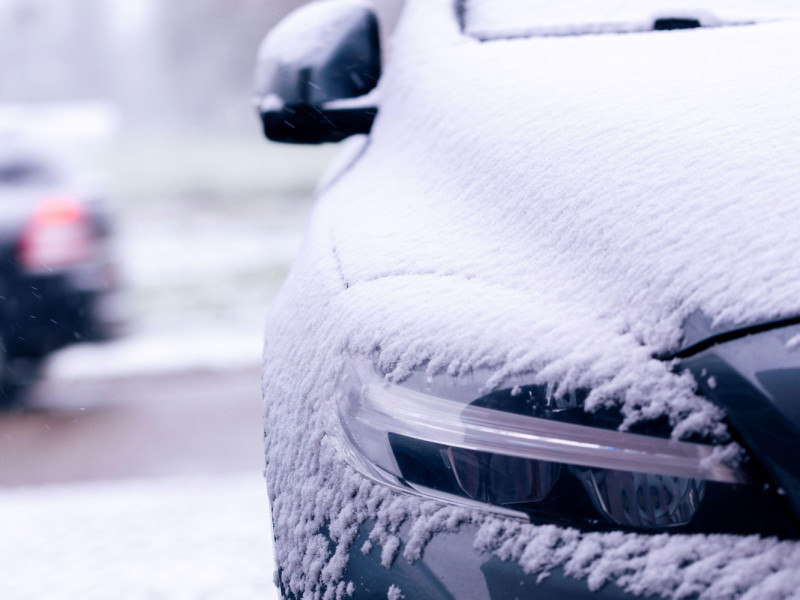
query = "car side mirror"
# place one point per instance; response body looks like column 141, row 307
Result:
column 315, row 69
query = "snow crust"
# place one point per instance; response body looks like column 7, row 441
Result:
column 487, row 19
column 554, row 207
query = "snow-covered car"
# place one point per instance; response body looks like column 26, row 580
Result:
column 58, row 279
column 543, row 338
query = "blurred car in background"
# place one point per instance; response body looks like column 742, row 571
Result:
column 58, row 282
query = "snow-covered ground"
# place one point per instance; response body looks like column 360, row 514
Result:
column 153, row 353
column 187, row 538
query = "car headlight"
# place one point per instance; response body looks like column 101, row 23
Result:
column 525, row 451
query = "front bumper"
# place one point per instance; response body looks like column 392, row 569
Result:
column 450, row 568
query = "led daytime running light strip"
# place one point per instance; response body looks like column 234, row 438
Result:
column 397, row 409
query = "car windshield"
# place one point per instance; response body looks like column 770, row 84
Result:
column 488, row 19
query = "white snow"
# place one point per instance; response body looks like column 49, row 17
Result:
column 307, row 33
column 192, row 537
column 793, row 343
column 308, row 30
column 159, row 353
column 554, row 207
column 394, row 593
column 675, row 566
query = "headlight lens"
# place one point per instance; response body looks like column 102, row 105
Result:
column 525, row 452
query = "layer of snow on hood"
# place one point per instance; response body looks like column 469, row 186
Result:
column 549, row 206
column 511, row 18
column 567, row 214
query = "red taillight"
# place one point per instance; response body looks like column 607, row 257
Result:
column 57, row 235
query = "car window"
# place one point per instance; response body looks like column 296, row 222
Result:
column 493, row 19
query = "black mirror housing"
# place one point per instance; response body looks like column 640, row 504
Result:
column 315, row 69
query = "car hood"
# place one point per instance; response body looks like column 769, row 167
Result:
column 563, row 205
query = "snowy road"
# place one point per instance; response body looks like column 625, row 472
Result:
column 158, row 425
